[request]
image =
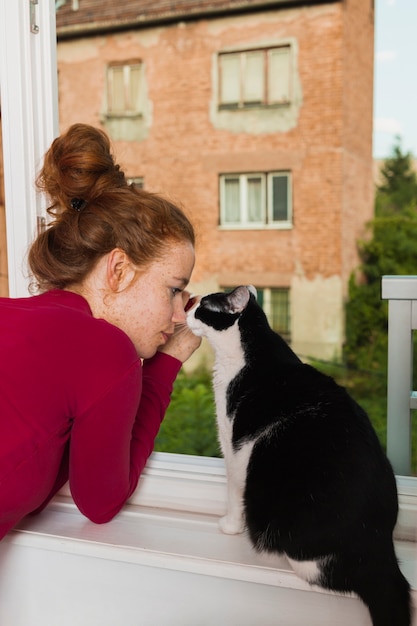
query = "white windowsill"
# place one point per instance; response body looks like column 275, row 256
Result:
column 276, row 226
column 197, row 484
column 184, row 484
column 171, row 525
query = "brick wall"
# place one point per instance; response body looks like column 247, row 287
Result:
column 326, row 145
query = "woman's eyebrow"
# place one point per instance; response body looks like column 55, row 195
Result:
column 183, row 281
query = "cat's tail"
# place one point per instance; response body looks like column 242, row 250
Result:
column 389, row 603
column 379, row 583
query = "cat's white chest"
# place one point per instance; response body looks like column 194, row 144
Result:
column 229, row 360
column 224, row 421
column 227, row 367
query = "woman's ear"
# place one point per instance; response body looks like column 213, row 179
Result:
column 120, row 270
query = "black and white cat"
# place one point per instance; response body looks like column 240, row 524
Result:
column 306, row 474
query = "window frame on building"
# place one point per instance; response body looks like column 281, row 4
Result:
column 238, row 212
column 137, row 181
column 124, row 85
column 278, row 313
column 276, row 304
column 246, row 78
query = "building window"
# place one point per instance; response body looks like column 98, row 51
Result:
column 276, row 304
column 251, row 78
column 124, row 82
column 137, row 181
column 256, row 200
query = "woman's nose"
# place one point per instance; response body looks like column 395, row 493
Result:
column 178, row 314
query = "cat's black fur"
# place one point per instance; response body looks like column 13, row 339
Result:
column 317, row 485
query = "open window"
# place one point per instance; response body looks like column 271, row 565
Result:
column 30, row 122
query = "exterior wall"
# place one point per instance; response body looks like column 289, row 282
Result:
column 358, row 176
column 182, row 144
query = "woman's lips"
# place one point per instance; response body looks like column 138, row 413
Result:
column 166, row 336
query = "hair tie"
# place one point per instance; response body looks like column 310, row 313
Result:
column 78, row 204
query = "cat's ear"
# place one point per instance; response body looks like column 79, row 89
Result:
column 252, row 289
column 238, row 299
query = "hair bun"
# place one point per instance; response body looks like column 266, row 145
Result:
column 79, row 165
column 78, row 204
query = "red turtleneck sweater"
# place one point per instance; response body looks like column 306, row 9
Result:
column 75, row 403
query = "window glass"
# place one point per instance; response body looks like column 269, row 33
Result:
column 280, row 312
column 134, row 88
column 229, row 78
column 275, row 302
column 231, row 200
column 279, row 75
column 116, row 96
column 254, row 77
column 254, row 199
column 279, row 198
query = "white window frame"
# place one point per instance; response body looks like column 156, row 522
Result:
column 244, row 221
column 266, row 199
column 30, row 122
column 29, row 114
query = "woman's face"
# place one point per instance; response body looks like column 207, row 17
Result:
column 149, row 308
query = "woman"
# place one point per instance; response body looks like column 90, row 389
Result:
column 87, row 365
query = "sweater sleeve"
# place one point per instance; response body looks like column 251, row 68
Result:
column 112, row 440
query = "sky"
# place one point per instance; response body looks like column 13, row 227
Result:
column 395, row 76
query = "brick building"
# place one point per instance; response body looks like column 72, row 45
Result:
column 257, row 117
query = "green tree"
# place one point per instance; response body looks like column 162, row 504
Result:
column 189, row 426
column 397, row 192
column 390, row 250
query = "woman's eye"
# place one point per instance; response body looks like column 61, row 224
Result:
column 175, row 290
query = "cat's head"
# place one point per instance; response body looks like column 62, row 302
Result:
column 218, row 312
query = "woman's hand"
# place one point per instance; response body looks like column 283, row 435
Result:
column 183, row 343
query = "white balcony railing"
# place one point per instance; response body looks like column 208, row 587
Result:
column 401, row 293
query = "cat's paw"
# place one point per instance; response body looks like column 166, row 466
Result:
column 231, row 525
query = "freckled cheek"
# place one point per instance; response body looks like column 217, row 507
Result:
column 165, row 310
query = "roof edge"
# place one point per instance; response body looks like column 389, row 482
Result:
column 244, row 6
